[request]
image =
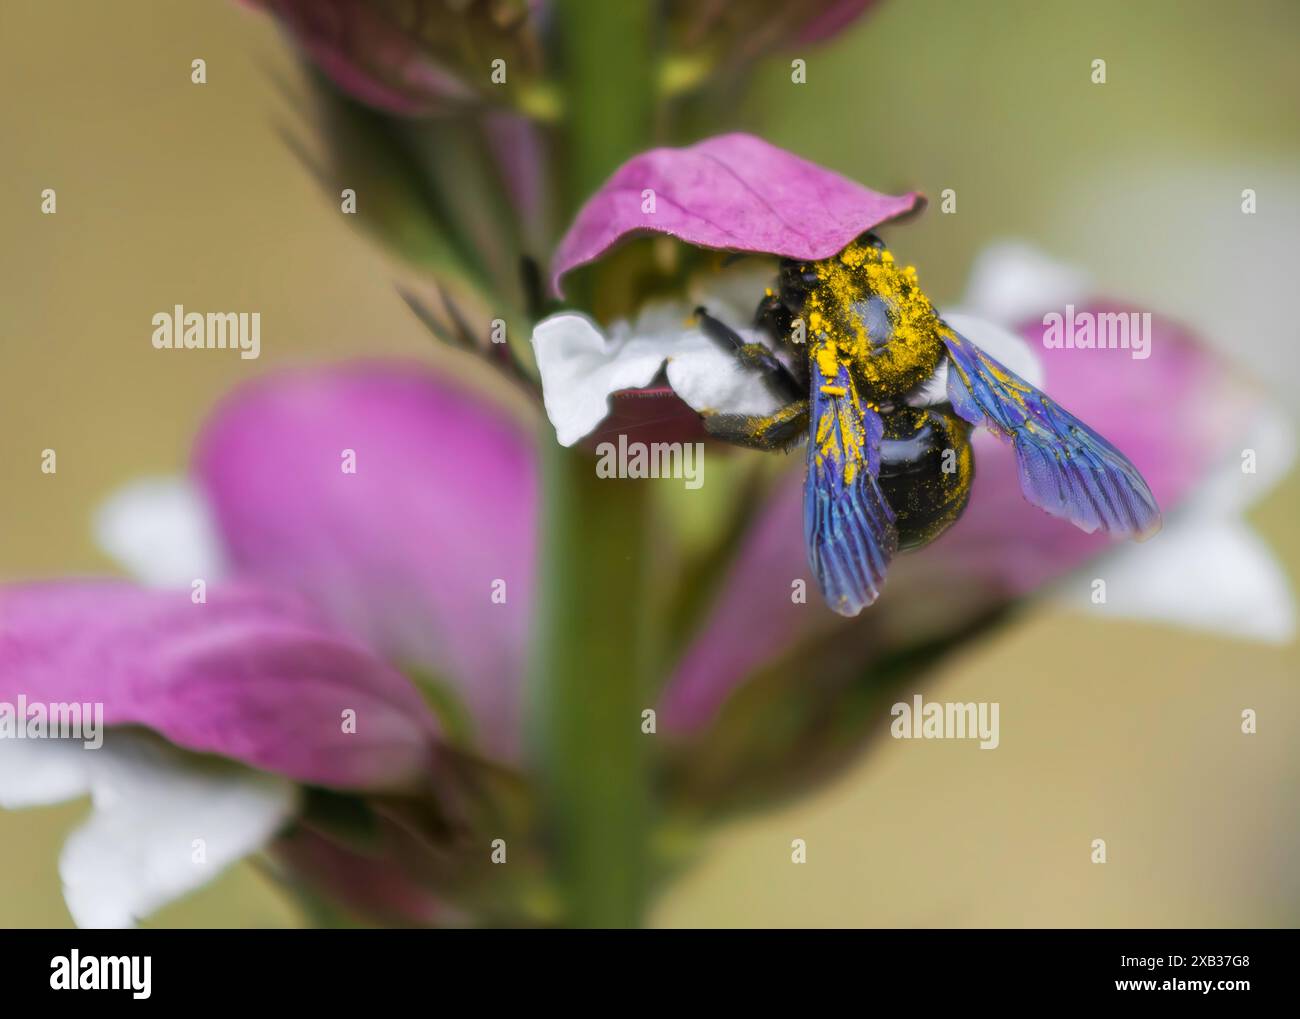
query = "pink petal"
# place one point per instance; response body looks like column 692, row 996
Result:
column 406, row 551
column 1175, row 414
column 372, row 885
column 369, row 56
column 257, row 677
column 734, row 192
column 654, row 414
column 833, row 18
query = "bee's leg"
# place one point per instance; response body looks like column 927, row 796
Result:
column 752, row 355
column 774, row 317
column 778, row 321
column 777, row 431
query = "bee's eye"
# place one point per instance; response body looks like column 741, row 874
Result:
column 798, row 276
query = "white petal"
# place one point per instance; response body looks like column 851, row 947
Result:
column 1229, row 490
column 161, row 531
column 163, row 823
column 1000, row 343
column 734, row 293
column 1156, row 254
column 1203, row 573
column 581, row 368
column 36, row 773
column 710, row 380
column 1012, row 280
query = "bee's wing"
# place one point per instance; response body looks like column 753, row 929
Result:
column 1066, row 468
column 848, row 526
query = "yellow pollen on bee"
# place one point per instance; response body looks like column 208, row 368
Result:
column 1013, row 387
column 824, row 426
column 828, row 361
column 887, row 365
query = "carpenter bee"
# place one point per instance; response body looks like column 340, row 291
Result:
column 887, row 393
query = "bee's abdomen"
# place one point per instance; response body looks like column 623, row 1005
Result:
column 926, row 469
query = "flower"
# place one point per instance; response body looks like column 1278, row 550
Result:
column 434, row 57
column 403, row 59
column 589, row 373
column 734, row 192
column 326, row 652
column 292, row 665
column 164, row 821
column 583, row 368
column 1004, row 549
column 332, row 579
column 249, row 675
column 759, row 654
column 855, row 358
column 1208, row 571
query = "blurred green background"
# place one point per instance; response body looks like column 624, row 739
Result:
column 170, row 192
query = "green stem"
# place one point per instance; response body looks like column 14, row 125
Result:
column 609, row 87
column 588, row 689
column 589, row 680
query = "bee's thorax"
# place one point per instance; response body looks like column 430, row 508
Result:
column 865, row 311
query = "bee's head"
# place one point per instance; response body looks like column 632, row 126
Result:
column 798, row 278
column 795, row 279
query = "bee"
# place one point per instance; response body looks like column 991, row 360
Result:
column 886, row 394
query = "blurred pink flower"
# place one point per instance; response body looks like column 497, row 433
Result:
column 252, row 674
column 404, row 552
column 1001, row 549
column 338, row 583
column 420, row 57
column 405, row 58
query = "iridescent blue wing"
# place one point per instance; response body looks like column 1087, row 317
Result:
column 1066, row 468
column 847, row 524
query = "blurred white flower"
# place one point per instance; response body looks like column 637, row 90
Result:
column 1207, row 570
column 163, row 822
column 160, row 530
